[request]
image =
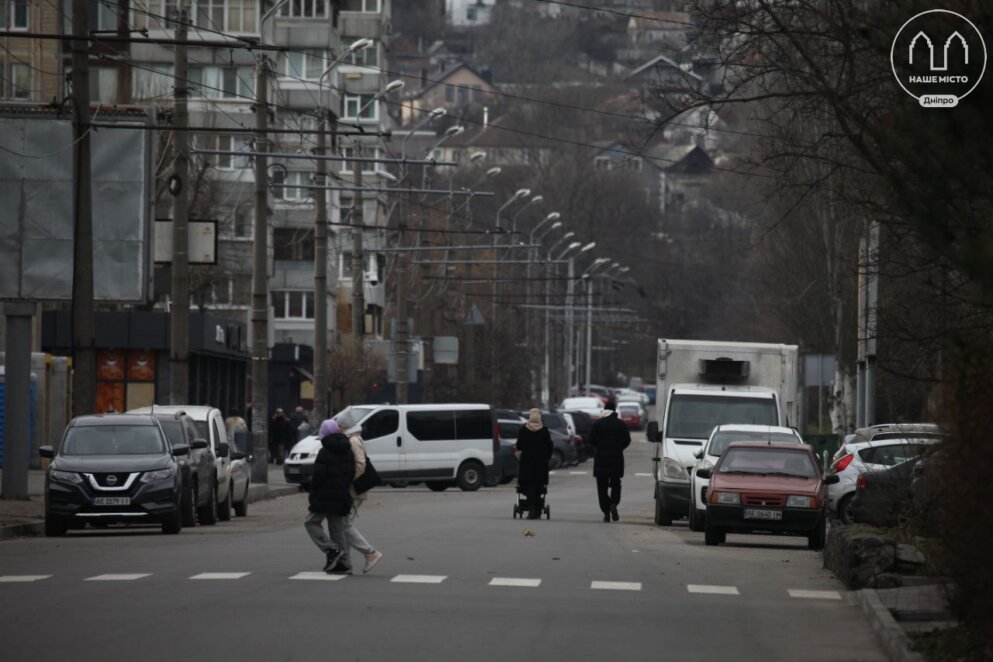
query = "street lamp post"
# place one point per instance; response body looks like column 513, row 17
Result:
column 536, row 380
column 588, row 275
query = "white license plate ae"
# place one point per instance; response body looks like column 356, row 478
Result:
column 762, row 513
column 112, row 501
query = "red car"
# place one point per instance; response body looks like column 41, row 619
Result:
column 630, row 414
column 767, row 488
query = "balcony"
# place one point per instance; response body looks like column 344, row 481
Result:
column 363, row 24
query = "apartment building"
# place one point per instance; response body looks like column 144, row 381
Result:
column 30, row 69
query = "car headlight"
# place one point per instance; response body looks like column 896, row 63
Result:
column 161, row 474
column 726, row 498
column 65, row 477
column 796, row 501
column 673, row 469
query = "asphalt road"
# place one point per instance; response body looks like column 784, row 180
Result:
column 459, row 580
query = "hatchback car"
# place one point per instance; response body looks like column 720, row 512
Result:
column 116, row 468
column 564, row 452
column 197, row 468
column 632, row 414
column 767, row 487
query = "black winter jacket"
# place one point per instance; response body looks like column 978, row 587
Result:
column 334, row 471
column 610, row 436
column 536, row 451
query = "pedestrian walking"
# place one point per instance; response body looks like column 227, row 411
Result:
column 343, row 530
column 609, row 437
column 534, row 441
column 304, row 429
column 281, row 436
column 330, row 498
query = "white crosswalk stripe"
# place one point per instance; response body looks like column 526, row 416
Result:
column 813, row 595
column 11, row 579
column 712, row 590
column 317, row 576
column 577, row 473
column 119, row 577
column 220, row 575
column 510, row 581
column 615, row 586
column 643, row 475
column 419, row 579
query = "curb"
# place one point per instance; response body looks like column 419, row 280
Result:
column 265, row 493
column 894, row 640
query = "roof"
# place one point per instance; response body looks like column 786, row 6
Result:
column 112, row 419
column 662, row 20
column 666, row 62
column 740, row 427
column 197, row 413
column 440, row 79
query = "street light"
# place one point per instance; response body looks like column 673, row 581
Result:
column 567, row 235
column 435, row 114
column 390, row 87
column 570, row 314
column 449, row 133
column 554, row 226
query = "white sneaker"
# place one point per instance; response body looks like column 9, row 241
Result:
column 371, row 560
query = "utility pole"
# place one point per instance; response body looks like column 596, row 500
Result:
column 83, row 326
column 589, row 329
column 179, row 317
column 569, row 300
column 260, row 283
column 321, row 280
column 400, row 342
column 358, row 296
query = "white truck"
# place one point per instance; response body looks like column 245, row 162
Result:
column 702, row 384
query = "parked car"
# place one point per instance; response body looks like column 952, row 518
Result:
column 649, row 392
column 507, row 461
column 762, row 487
column 633, row 414
column 584, row 425
column 564, row 452
column 241, row 480
column 860, row 457
column 115, row 468
column 722, row 437
column 210, row 424
column 197, row 468
column 883, row 431
column 629, row 394
column 298, row 467
column 885, row 498
column 590, row 405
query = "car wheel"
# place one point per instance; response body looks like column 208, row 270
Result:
column 470, row 476
column 713, row 535
column 662, row 516
column 816, row 539
column 174, row 524
column 224, row 507
column 241, row 507
column 437, row 485
column 696, row 522
column 845, row 509
column 55, row 526
column 557, row 460
column 187, row 506
column 207, row 513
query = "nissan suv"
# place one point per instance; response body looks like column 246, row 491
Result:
column 115, row 468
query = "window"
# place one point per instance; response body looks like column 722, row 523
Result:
column 103, row 15
column 474, row 424
column 345, row 265
column 368, row 167
column 431, row 425
column 103, row 85
column 449, row 93
column 891, row 454
column 369, row 6
column 470, row 14
column 364, row 102
column 696, row 416
column 381, row 424
column 222, row 82
column 285, row 185
column 463, row 96
column 305, row 9
column 293, row 244
column 155, row 84
column 368, row 57
column 293, row 305
column 17, row 83
column 236, row 16
column 227, row 143
column 14, row 13
column 602, row 163
column 477, row 92
column 307, row 64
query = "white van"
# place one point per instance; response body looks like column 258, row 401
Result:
column 440, row 444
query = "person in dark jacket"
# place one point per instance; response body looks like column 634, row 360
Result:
column 609, row 437
column 534, row 441
column 330, row 496
column 281, row 436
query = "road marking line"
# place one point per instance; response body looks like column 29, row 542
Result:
column 220, row 575
column 318, row 576
column 644, row 475
column 552, row 473
column 119, row 578
column 419, row 579
column 616, row 586
column 6, row 579
column 577, row 473
column 712, row 590
column 813, row 595
column 510, row 581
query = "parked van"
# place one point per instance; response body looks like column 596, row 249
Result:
column 440, row 444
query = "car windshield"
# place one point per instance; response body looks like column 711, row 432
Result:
column 203, row 429
column 173, row 430
column 768, row 461
column 553, row 421
column 723, row 439
column 113, row 440
column 509, row 430
column 693, row 416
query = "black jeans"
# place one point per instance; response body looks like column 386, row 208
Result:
column 532, row 493
column 613, row 498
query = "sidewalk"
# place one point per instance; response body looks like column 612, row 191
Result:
column 26, row 518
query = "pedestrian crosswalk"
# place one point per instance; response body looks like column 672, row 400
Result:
column 513, row 582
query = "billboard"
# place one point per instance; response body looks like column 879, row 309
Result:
column 36, row 214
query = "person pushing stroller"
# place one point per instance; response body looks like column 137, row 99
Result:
column 534, row 441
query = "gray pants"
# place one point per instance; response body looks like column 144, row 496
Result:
column 346, row 536
column 315, row 527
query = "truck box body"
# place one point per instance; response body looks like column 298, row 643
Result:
column 702, row 384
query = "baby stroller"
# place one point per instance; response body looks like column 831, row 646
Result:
column 522, row 508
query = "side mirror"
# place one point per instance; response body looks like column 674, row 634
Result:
column 199, row 444
column 223, row 450
column 180, row 449
column 703, row 473
column 46, row 451
column 652, row 432
column 237, row 455
column 831, row 479
column 699, row 454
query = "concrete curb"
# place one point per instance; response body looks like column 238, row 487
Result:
column 263, row 493
column 894, row 640
column 23, row 529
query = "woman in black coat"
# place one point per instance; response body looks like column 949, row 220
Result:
column 609, row 437
column 534, row 441
column 334, row 470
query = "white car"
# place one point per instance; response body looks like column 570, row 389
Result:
column 721, row 437
column 298, row 466
column 210, row 423
column 861, row 457
column 629, row 394
column 589, row 405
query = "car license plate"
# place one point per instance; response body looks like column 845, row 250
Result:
column 761, row 513
column 292, row 470
column 112, row 501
